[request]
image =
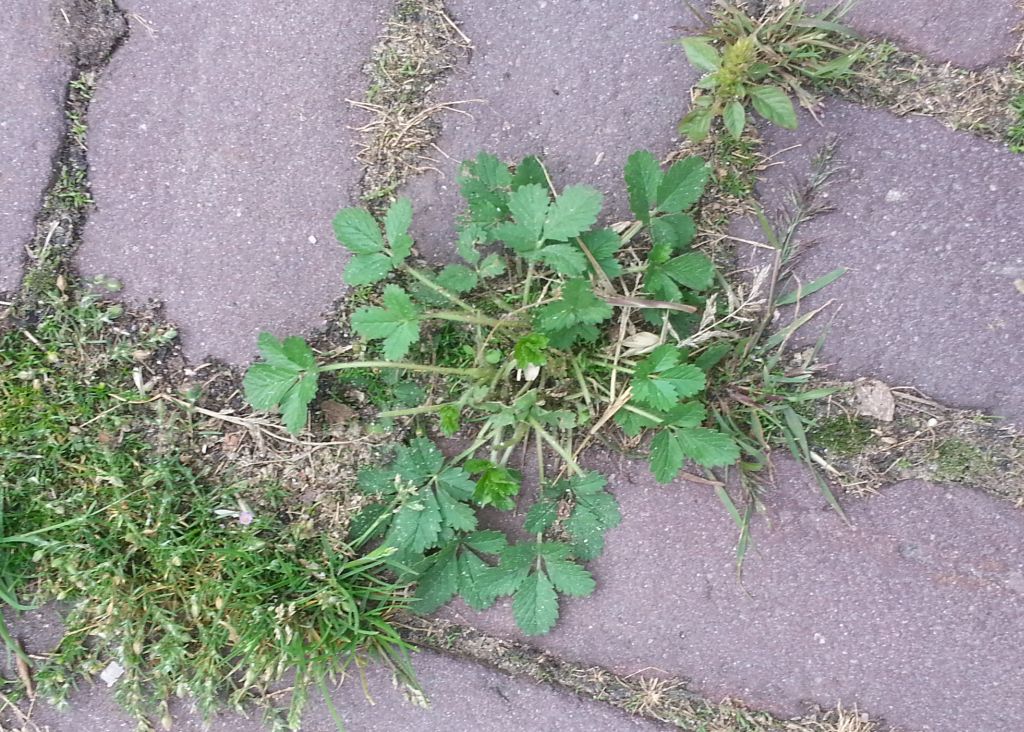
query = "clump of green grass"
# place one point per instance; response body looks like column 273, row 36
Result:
column 165, row 572
column 761, row 61
column 1015, row 133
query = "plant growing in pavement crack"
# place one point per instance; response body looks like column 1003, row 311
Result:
column 761, row 62
column 572, row 329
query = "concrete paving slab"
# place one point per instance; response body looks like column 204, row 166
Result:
column 31, row 105
column 463, row 697
column 220, row 151
column 963, row 32
column 582, row 84
column 930, row 225
column 912, row 613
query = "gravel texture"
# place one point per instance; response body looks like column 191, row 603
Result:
column 31, row 100
column 581, row 84
column 930, row 225
column 220, row 151
column 963, row 32
column 911, row 614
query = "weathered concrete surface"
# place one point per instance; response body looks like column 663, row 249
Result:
column 31, row 100
column 463, row 696
column 930, row 224
column 220, row 152
column 912, row 614
column 964, row 32
column 581, row 84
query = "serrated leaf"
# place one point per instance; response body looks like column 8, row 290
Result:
column 417, row 525
column 366, row 269
column 266, row 385
column 397, row 220
column 457, row 278
column 531, row 350
column 666, row 456
column 288, row 379
column 632, row 423
column 569, row 578
column 487, row 542
column 473, row 587
column 572, row 213
column 692, row 270
column 701, row 53
column 528, row 205
column 643, row 175
column 449, row 419
column 295, row 402
column 275, row 352
column 370, row 523
column 438, row 581
column 592, row 516
column 530, row 170
column 298, row 352
column 565, row 259
column 397, row 324
column 671, row 233
column 535, row 605
column 469, row 235
column 418, row 461
column 516, row 237
column 707, row 447
column 456, row 481
column 735, row 118
column 697, row 124
column 682, row 185
column 659, row 383
column 455, row 515
column 577, row 306
column 541, row 517
column 497, row 486
column 688, row 414
column 774, row 105
column 490, row 170
column 508, row 575
column 357, row 231
column 492, row 266
column 603, row 245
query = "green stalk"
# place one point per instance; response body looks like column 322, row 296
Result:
column 558, row 448
column 474, row 373
column 425, row 409
column 446, row 294
column 472, row 318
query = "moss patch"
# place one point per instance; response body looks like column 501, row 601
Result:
column 959, row 461
column 842, row 435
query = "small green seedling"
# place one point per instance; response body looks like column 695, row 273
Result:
column 762, row 62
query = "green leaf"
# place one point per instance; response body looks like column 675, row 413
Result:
column 735, row 118
column 473, row 587
column 700, row 53
column 774, row 105
column 357, row 231
column 397, row 324
column 535, row 605
column 683, row 185
column 517, row 237
column 490, row 170
column 370, row 517
column 664, row 390
column 577, row 306
column 697, row 124
column 603, row 245
column 692, row 270
column 688, row 414
column 632, row 423
column 438, row 580
column 595, row 511
column 497, row 486
column 531, row 349
column 366, row 269
column 672, row 233
column 643, row 175
column 572, row 213
column 448, row 416
column 529, row 207
column 486, row 542
column 508, row 575
column 287, row 379
column 396, row 226
column 455, row 515
column 492, row 266
column 565, row 259
column 541, row 517
column 569, row 577
column 417, row 525
column 794, row 296
column 295, row 403
column 706, row 447
column 457, row 278
column 666, row 456
column 530, row 170
column 469, row 235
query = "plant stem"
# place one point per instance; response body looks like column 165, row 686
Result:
column 468, row 318
column 527, row 283
column 450, row 296
column 425, row 409
column 474, row 373
column 558, row 448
